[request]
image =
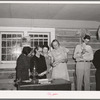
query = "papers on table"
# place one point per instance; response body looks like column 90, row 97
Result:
column 28, row 80
column 44, row 81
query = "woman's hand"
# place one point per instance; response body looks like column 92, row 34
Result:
column 17, row 81
column 59, row 61
column 63, row 60
column 49, row 70
column 55, row 64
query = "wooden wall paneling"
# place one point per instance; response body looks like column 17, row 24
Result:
column 69, row 39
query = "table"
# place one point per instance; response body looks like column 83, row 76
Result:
column 57, row 84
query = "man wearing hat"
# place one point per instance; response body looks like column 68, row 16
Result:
column 83, row 55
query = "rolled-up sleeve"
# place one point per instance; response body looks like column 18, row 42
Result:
column 77, row 52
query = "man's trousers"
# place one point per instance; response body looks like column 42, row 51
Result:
column 83, row 75
column 97, row 77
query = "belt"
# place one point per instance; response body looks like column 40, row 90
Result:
column 83, row 61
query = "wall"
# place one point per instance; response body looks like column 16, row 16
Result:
column 47, row 23
column 65, row 33
column 69, row 39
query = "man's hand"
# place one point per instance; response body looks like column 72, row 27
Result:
column 43, row 73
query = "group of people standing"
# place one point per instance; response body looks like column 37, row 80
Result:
column 52, row 64
column 49, row 64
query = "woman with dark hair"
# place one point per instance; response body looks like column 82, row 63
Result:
column 23, row 65
column 38, row 60
column 59, row 61
column 48, row 61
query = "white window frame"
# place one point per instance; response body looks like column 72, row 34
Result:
column 25, row 30
column 40, row 34
column 8, row 32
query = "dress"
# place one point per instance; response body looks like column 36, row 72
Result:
column 40, row 65
column 22, row 67
column 48, row 63
column 60, row 70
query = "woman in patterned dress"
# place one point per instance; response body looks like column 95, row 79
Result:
column 59, row 61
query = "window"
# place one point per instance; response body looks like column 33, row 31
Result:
column 9, row 45
column 11, row 42
column 39, row 39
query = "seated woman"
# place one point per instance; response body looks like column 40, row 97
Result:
column 39, row 62
column 23, row 65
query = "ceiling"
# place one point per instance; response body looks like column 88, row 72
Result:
column 89, row 12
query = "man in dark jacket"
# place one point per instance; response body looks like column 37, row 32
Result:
column 96, row 62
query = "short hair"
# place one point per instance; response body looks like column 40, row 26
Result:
column 26, row 50
column 87, row 37
column 55, row 40
column 37, row 48
column 46, row 47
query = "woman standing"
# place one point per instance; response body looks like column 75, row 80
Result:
column 38, row 60
column 59, row 60
column 48, row 61
column 23, row 65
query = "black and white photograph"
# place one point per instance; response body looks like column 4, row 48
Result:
column 50, row 46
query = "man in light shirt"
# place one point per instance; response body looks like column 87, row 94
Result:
column 83, row 55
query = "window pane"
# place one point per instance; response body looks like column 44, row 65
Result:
column 14, row 57
column 32, row 44
column 3, row 36
column 40, row 35
column 19, row 35
column 18, row 42
column 35, row 42
column 8, row 50
column 41, row 42
column 3, row 43
column 8, row 57
column 35, row 35
column 31, row 35
column 13, row 42
column 3, row 57
column 45, row 35
column 3, row 50
column 14, row 36
column 9, row 42
column 45, row 43
column 8, row 35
